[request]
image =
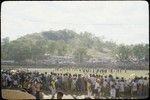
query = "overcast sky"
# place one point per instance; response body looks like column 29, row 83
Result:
column 120, row 21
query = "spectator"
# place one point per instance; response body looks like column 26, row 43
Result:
column 145, row 87
column 140, row 87
column 122, row 87
column 113, row 92
column 117, row 88
column 134, row 88
column 34, row 83
column 97, row 89
column 89, row 87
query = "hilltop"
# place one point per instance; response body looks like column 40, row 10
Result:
column 70, row 42
column 81, row 46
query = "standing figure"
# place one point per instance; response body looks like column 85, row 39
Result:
column 113, row 92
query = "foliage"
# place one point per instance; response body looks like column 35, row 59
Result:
column 79, row 54
column 67, row 42
column 123, row 53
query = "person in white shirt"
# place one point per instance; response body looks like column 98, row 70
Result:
column 140, row 81
column 128, row 88
column 96, row 84
column 15, row 83
column 121, row 88
column 113, row 92
column 117, row 88
column 89, row 90
column 97, row 89
column 111, row 83
column 105, row 83
column 134, row 89
column 93, row 80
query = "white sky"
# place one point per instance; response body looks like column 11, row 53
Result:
column 120, row 21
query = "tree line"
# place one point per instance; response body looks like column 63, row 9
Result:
column 67, row 42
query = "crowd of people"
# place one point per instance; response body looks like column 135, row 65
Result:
column 95, row 85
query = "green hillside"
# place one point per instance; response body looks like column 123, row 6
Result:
column 69, row 43
column 66, row 42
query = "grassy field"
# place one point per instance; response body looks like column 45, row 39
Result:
column 127, row 74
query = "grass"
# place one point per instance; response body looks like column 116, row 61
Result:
column 128, row 74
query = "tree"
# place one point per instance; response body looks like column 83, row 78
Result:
column 87, row 39
column 61, row 48
column 147, row 52
column 140, row 52
column 5, row 41
column 80, row 53
column 98, row 44
column 122, row 53
column 19, row 51
column 22, row 49
column 51, row 47
column 110, row 45
column 4, row 48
